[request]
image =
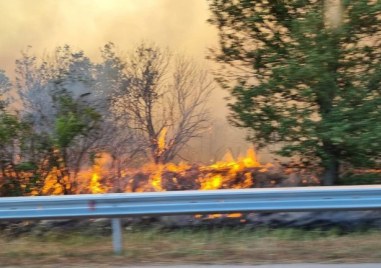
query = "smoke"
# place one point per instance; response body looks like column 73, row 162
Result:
column 89, row 24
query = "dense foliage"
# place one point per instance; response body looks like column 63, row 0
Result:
column 305, row 80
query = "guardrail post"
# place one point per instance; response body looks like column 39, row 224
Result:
column 117, row 238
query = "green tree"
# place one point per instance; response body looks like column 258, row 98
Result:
column 73, row 121
column 305, row 83
column 59, row 105
column 12, row 134
column 10, row 129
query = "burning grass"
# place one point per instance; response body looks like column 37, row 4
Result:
column 220, row 245
column 104, row 176
column 229, row 173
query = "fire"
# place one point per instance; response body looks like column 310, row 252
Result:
column 53, row 185
column 95, row 185
column 229, row 173
column 98, row 169
column 105, row 174
column 212, row 183
column 155, row 177
column 161, row 144
column 92, row 180
column 225, row 174
column 231, row 169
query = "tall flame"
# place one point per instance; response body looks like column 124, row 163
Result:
column 161, row 144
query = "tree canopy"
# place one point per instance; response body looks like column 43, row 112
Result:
column 309, row 85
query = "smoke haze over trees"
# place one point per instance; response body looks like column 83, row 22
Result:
column 138, row 108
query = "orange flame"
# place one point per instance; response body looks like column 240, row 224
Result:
column 232, row 168
column 229, row 173
column 161, row 144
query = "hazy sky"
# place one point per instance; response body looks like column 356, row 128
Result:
column 89, row 24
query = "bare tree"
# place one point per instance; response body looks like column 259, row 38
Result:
column 122, row 142
column 164, row 100
column 187, row 101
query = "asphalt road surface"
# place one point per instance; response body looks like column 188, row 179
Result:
column 302, row 265
column 306, row 265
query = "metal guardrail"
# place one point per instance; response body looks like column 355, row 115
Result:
column 189, row 202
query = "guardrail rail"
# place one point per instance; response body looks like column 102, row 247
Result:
column 116, row 206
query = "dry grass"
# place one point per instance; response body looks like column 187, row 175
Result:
column 193, row 246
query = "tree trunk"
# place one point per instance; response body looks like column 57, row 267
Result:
column 331, row 171
column 334, row 13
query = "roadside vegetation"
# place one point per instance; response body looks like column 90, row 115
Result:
column 218, row 246
column 305, row 76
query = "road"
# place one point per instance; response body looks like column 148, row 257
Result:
column 306, row 265
column 302, row 265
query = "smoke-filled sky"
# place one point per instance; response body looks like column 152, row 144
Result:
column 89, row 24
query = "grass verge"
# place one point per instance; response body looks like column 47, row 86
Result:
column 222, row 246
